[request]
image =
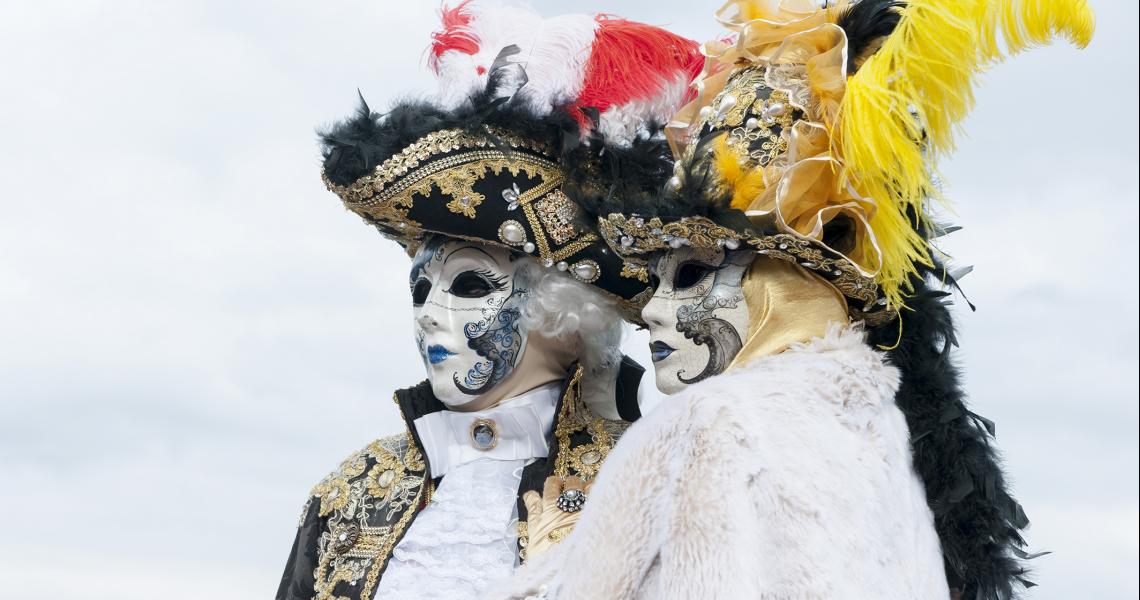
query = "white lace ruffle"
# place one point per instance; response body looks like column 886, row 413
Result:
column 463, row 541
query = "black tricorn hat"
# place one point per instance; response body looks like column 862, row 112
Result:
column 493, row 171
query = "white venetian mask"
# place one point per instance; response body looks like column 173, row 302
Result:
column 466, row 310
column 697, row 317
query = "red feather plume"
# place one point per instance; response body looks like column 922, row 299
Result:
column 456, row 34
column 631, row 61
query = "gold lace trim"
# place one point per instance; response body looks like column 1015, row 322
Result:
column 574, row 417
column 632, row 237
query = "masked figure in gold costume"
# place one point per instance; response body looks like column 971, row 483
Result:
column 817, row 444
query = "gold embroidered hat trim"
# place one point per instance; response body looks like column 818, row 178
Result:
column 636, row 238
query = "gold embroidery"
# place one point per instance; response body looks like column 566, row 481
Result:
column 538, row 222
column 571, row 419
column 458, row 183
column 432, row 144
column 413, row 460
column 334, row 490
column 560, row 534
column 635, row 235
column 381, row 479
column 632, row 269
column 573, row 466
column 385, row 196
column 574, row 417
column 370, row 542
column 587, row 459
column 455, row 176
column 391, row 484
column 741, row 88
column 755, row 115
column 524, row 540
column 385, row 548
column 334, row 493
column 367, row 512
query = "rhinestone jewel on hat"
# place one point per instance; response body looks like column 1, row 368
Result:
column 511, row 196
column 484, row 434
column 571, row 500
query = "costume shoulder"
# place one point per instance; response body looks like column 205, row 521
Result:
column 348, row 523
column 364, row 469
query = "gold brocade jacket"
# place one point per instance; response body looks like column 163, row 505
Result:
column 358, row 513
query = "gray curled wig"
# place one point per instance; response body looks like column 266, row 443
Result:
column 565, row 309
column 569, row 311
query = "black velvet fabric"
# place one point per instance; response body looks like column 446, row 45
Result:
column 629, row 380
column 297, row 581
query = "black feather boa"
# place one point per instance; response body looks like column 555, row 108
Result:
column 977, row 519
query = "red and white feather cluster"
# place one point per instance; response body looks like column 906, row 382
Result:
column 630, row 72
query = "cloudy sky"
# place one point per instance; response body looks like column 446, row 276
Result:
column 193, row 331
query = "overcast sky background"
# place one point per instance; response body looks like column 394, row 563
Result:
column 193, row 331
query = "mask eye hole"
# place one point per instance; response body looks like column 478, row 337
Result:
column 654, row 282
column 690, row 274
column 420, row 291
column 476, row 284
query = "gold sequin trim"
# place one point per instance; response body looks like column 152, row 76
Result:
column 558, row 214
column 420, row 151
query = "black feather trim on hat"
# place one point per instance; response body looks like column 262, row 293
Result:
column 978, row 521
column 597, row 173
column 699, row 197
column 596, row 170
column 357, row 145
column 628, row 175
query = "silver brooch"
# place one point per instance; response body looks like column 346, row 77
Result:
column 571, row 501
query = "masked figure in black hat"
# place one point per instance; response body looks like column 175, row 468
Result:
column 517, row 303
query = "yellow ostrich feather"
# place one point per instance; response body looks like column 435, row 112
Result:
column 900, row 109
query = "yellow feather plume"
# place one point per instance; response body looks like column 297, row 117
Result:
column 747, row 184
column 900, row 109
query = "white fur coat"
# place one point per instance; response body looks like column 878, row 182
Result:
column 787, row 478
